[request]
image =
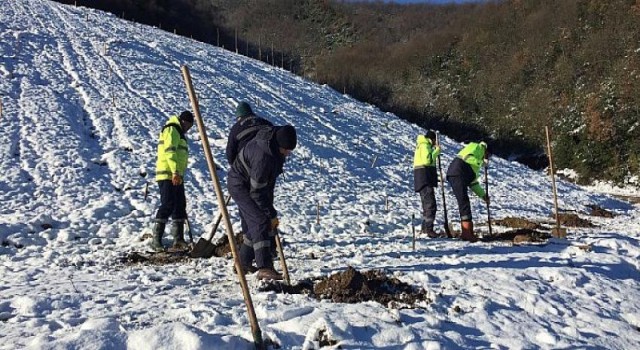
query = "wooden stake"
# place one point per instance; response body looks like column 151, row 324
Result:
column 0, row 107
column 447, row 228
column 255, row 327
column 146, row 190
column 318, row 212
column 413, row 231
column 486, row 190
column 558, row 231
column 386, row 202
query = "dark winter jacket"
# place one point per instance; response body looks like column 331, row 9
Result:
column 242, row 132
column 256, row 169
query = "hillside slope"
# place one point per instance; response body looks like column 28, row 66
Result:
column 84, row 95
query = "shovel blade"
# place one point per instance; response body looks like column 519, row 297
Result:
column 203, row 249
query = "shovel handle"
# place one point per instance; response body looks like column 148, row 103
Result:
column 215, row 226
column 282, row 260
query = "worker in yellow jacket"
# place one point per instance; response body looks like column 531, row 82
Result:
column 463, row 173
column 171, row 165
column 425, row 178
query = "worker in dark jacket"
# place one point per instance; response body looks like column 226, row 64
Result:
column 425, row 178
column 171, row 165
column 251, row 182
column 246, row 127
column 462, row 173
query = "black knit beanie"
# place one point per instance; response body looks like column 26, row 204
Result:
column 286, row 137
column 186, row 116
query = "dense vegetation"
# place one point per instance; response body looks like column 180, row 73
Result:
column 495, row 70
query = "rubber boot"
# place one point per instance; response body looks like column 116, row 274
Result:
column 467, row 232
column 177, row 231
column 156, row 241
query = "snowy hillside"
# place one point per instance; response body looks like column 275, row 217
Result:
column 84, row 95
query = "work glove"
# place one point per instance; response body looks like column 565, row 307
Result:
column 486, row 199
column 176, row 179
column 274, row 223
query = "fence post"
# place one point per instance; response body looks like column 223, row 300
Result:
column 318, row 212
column 413, row 231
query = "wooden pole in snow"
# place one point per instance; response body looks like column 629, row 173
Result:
column 413, row 231
column 255, row 327
column 557, row 232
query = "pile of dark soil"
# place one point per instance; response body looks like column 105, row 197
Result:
column 161, row 258
column 519, row 236
column 352, row 286
column 223, row 248
column 573, row 220
column 595, row 210
column 517, row 223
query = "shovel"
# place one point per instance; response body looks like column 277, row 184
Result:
column 204, row 248
column 282, row 261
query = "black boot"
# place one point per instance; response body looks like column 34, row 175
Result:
column 177, row 231
column 156, row 241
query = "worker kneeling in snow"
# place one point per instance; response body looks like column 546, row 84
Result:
column 462, row 173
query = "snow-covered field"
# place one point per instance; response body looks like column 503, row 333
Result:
column 84, row 95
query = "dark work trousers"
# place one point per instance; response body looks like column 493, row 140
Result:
column 172, row 202
column 461, row 191
column 255, row 225
column 428, row 199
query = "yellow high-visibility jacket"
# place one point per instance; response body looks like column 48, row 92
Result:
column 473, row 154
column 424, row 164
column 173, row 151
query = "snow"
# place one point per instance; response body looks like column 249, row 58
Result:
column 79, row 130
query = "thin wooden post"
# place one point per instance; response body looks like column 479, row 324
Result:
column 486, row 190
column 374, row 161
column 413, row 231
column 318, row 212
column 255, row 327
column 0, row 107
column 386, row 202
column 447, row 230
column 146, row 190
column 558, row 231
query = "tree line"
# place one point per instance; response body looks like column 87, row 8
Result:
column 497, row 70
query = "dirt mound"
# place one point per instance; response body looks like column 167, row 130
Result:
column 517, row 223
column 595, row 210
column 161, row 258
column 352, row 286
column 222, row 249
column 519, row 236
column 222, row 246
column 573, row 220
